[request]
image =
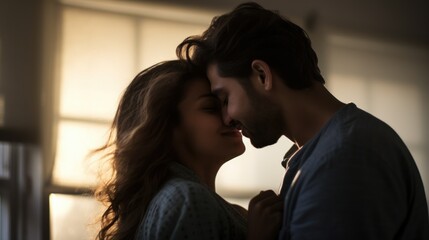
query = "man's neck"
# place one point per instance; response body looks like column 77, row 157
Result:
column 313, row 109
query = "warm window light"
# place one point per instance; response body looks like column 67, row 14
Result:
column 76, row 140
column 101, row 53
column 97, row 62
column 73, row 217
column 160, row 38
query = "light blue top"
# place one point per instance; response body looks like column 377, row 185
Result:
column 186, row 209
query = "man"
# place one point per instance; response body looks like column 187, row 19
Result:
column 351, row 176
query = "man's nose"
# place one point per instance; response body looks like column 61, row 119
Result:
column 227, row 120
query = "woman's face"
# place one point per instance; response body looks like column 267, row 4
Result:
column 201, row 133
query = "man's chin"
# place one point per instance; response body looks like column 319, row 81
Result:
column 257, row 143
column 245, row 133
column 252, row 140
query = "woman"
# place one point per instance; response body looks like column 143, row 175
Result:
column 166, row 146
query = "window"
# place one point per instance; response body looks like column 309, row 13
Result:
column 101, row 52
column 73, row 216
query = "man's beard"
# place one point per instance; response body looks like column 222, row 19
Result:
column 264, row 125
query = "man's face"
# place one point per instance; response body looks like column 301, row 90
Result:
column 247, row 110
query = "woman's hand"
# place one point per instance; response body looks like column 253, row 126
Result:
column 265, row 216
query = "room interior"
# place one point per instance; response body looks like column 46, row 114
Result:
column 63, row 64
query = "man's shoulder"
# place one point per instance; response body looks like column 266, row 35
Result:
column 356, row 121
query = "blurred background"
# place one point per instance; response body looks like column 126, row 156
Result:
column 65, row 63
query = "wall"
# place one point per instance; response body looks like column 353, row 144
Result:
column 20, row 66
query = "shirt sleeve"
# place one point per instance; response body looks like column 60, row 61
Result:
column 184, row 210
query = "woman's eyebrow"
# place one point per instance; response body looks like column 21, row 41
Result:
column 207, row 95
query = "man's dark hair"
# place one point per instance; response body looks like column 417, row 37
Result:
column 251, row 32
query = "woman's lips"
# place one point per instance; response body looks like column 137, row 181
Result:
column 232, row 133
column 245, row 133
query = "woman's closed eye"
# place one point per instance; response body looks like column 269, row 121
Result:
column 215, row 108
column 212, row 105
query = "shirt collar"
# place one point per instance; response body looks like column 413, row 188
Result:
column 181, row 171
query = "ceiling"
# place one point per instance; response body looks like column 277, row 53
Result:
column 392, row 19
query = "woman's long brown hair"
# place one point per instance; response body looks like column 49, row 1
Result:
column 139, row 146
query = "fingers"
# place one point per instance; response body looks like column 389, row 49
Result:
column 265, row 215
column 277, row 205
column 266, row 200
column 269, row 194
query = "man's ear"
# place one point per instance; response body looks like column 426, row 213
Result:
column 261, row 70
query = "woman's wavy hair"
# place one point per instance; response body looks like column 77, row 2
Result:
column 233, row 40
column 139, row 148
